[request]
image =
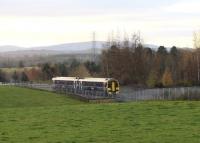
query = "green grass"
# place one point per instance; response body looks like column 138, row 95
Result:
column 67, row 121
column 23, row 97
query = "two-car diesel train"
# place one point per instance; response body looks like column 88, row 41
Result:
column 105, row 86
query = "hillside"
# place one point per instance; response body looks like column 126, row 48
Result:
column 35, row 116
column 12, row 97
column 79, row 47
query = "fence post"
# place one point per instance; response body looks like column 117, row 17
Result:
column 163, row 94
column 175, row 94
column 157, row 94
column 136, row 96
column 143, row 94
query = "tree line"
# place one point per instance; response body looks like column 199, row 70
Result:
column 46, row 71
column 134, row 64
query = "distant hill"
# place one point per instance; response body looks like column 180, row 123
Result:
column 66, row 48
column 9, row 48
column 82, row 47
column 28, row 53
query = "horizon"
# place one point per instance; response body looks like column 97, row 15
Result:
column 36, row 23
column 146, row 45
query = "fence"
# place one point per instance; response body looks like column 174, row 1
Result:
column 128, row 93
column 86, row 94
column 6, row 84
column 180, row 93
column 41, row 86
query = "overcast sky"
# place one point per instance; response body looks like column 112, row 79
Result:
column 46, row 22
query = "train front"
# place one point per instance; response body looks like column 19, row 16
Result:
column 112, row 87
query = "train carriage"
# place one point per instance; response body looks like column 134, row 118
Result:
column 105, row 86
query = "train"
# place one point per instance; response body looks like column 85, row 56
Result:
column 94, row 86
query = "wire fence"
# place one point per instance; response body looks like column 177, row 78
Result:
column 41, row 86
column 178, row 93
column 86, row 94
column 127, row 93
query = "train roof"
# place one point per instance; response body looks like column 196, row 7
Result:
column 82, row 79
column 64, row 78
column 95, row 79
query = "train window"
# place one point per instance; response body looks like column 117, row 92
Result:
column 99, row 84
column 64, row 82
column 69, row 82
column 88, row 84
column 58, row 82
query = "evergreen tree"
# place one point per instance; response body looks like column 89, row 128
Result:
column 63, row 71
column 24, row 77
column 2, row 76
column 92, row 67
column 15, row 77
column 47, row 71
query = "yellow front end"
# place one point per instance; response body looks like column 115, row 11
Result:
column 113, row 87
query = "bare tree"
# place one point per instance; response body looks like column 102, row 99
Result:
column 197, row 46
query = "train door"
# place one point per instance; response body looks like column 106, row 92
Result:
column 79, row 85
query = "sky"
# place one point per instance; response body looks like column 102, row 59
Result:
column 30, row 23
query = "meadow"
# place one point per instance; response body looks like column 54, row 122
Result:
column 31, row 116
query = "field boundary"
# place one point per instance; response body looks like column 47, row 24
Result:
column 48, row 87
column 156, row 94
column 126, row 93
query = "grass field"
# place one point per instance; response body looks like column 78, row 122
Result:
column 22, row 97
column 28, row 116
